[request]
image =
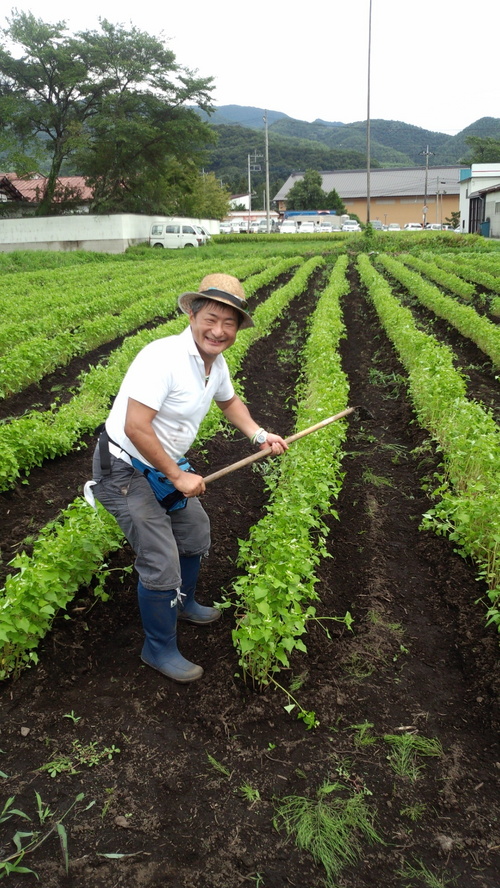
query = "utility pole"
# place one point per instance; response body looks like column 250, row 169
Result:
column 267, row 173
column 253, row 167
column 427, row 154
column 368, row 147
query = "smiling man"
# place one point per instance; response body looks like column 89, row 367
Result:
column 140, row 472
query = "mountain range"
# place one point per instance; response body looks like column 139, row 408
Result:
column 392, row 142
column 296, row 145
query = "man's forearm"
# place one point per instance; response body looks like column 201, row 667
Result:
column 239, row 415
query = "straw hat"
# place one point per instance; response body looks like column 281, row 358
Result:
column 220, row 288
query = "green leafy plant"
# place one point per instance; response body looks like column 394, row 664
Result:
column 65, row 556
column 467, row 503
column 279, row 560
column 74, row 718
column 81, row 756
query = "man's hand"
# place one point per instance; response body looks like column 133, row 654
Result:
column 277, row 443
column 189, row 484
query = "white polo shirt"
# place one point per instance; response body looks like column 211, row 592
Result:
column 168, row 375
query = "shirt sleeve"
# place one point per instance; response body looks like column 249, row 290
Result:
column 145, row 383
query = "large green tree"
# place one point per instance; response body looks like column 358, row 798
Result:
column 111, row 100
column 483, row 149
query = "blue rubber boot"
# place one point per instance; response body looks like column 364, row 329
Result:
column 159, row 620
column 188, row 609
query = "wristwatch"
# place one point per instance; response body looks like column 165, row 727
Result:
column 260, row 437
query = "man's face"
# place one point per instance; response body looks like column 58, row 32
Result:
column 214, row 329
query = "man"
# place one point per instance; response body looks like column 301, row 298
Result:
column 166, row 393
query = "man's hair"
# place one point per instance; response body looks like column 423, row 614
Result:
column 200, row 301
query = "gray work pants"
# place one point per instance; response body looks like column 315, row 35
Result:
column 158, row 538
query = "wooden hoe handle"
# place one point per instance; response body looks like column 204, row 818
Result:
column 261, row 454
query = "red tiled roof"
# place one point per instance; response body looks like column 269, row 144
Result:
column 30, row 189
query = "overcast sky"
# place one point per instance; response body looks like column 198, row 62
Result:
column 434, row 63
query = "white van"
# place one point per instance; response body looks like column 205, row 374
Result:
column 174, row 235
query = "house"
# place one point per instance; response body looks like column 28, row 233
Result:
column 240, row 201
column 479, row 199
column 23, row 194
column 409, row 194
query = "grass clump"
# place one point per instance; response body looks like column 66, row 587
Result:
column 331, row 826
column 406, row 748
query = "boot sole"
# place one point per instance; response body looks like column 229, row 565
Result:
column 195, row 622
column 180, row 680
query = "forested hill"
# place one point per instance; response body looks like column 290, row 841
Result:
column 322, row 145
column 229, row 157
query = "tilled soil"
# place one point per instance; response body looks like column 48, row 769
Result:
column 190, row 800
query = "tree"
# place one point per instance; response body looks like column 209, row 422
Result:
column 112, row 99
column 206, row 198
column 307, row 194
column 453, row 219
column 483, row 150
column 333, row 201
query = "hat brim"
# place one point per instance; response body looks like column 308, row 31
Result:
column 186, row 299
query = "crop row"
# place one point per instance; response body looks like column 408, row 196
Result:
column 467, row 510
column 73, row 548
column 483, row 275
column 22, row 291
column 446, row 279
column 275, row 592
column 137, row 303
column 464, row 318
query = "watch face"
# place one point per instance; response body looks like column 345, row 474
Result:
column 262, row 438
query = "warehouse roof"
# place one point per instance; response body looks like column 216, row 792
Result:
column 400, row 182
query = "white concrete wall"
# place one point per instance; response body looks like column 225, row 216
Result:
column 103, row 234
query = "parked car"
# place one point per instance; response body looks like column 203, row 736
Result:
column 174, row 235
column 376, row 224
column 202, row 235
column 225, row 228
column 351, row 225
column 206, row 234
column 254, row 227
column 307, row 228
column 325, row 228
column 394, row 226
column 288, row 227
column 413, row 226
column 433, row 226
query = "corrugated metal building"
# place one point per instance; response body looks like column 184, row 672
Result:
column 396, row 195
